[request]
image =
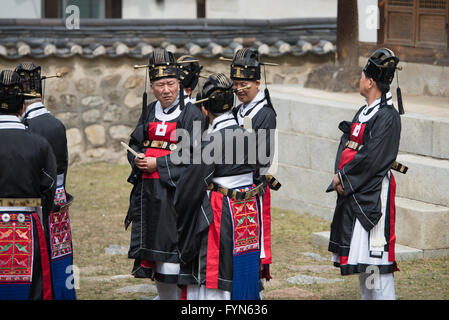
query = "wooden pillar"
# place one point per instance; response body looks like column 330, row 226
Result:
column 347, row 33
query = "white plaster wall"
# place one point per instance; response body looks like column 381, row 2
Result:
column 150, row 9
column 23, row 9
column 230, row 9
column 267, row 9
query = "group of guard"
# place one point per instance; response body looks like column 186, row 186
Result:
column 200, row 229
column 36, row 256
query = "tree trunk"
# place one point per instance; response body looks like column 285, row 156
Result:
column 347, row 33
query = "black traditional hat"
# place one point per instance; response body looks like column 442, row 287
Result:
column 162, row 64
column 217, row 93
column 190, row 72
column 30, row 77
column 11, row 92
column 246, row 65
column 381, row 66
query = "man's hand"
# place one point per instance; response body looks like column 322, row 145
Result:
column 146, row 164
column 337, row 185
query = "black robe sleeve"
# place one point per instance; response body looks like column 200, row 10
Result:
column 265, row 120
column 47, row 185
column 377, row 155
column 191, row 204
column 192, row 121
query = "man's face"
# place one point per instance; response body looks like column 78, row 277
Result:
column 165, row 90
column 246, row 95
column 365, row 84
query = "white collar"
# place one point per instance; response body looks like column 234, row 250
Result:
column 30, row 113
column 162, row 114
column 11, row 122
column 259, row 97
column 370, row 110
column 223, row 121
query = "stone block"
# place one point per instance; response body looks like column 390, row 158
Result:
column 306, row 151
column 306, row 185
column 440, row 145
column 120, row 132
column 407, row 253
column 132, row 99
column 427, row 179
column 294, row 149
column 92, row 101
column 416, row 135
column 110, row 81
column 435, row 253
column 69, row 119
column 68, row 100
column 311, row 116
column 91, row 116
column 401, row 252
column 112, row 113
column 321, row 239
column 86, row 86
column 422, row 225
column 95, row 134
column 74, row 137
column 134, row 82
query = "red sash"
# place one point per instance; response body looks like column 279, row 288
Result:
column 348, row 154
column 161, row 131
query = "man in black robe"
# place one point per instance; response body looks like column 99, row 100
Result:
column 154, row 236
column 39, row 120
column 27, row 188
column 220, row 224
column 257, row 113
column 362, row 236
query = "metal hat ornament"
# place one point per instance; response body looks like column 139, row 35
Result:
column 11, row 92
column 245, row 66
column 190, row 71
column 162, row 64
column 31, row 79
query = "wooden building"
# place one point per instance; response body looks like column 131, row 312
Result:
column 418, row 30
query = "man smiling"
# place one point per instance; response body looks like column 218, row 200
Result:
column 257, row 112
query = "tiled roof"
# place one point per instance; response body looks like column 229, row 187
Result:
column 137, row 38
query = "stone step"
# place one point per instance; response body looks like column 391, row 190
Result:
column 422, row 225
column 427, row 179
column 318, row 113
column 307, row 152
column 418, row 224
column 402, row 252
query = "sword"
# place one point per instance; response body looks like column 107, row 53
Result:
column 399, row 167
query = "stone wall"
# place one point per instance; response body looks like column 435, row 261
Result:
column 100, row 100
